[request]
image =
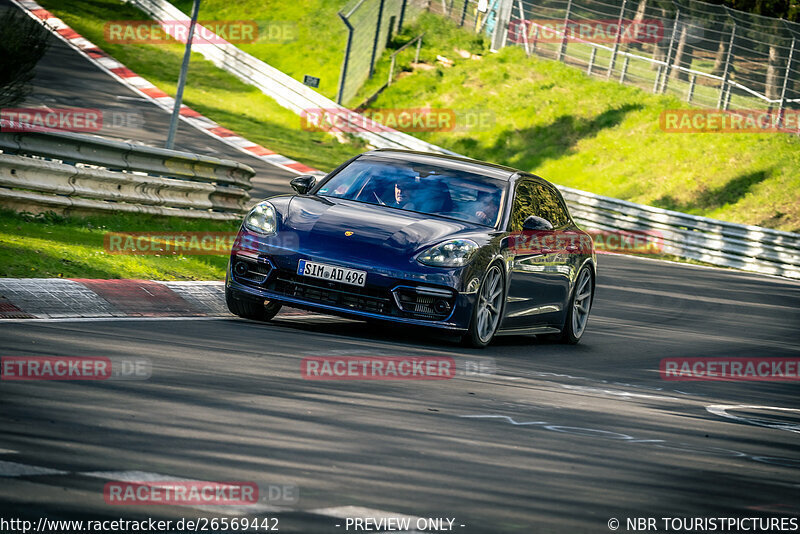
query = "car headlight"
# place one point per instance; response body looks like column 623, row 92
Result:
column 262, row 219
column 453, row 253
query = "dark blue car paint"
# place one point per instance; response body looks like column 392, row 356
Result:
column 385, row 242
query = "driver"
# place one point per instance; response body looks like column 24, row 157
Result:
column 404, row 190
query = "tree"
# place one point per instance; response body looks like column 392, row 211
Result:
column 23, row 42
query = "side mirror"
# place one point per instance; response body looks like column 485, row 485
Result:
column 303, row 184
column 536, row 223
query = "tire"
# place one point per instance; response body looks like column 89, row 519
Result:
column 251, row 308
column 580, row 305
column 488, row 310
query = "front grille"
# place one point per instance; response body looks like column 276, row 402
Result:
column 333, row 294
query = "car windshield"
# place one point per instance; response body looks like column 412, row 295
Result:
column 421, row 188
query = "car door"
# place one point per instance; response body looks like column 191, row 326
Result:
column 540, row 268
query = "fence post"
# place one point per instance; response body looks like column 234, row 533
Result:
column 591, row 61
column 501, row 24
column 665, row 71
column 726, row 70
column 419, row 45
column 616, row 41
column 525, row 28
column 657, row 80
column 563, row 48
column 624, row 69
column 782, row 105
column 690, row 92
column 402, row 16
column 463, row 13
column 375, row 41
column 343, row 75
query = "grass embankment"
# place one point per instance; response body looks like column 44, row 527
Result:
column 599, row 136
column 51, row 246
column 545, row 117
column 211, row 91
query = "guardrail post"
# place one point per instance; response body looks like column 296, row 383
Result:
column 726, row 70
column 658, row 79
column 666, row 69
column 343, row 75
column 375, row 40
column 690, row 92
column 782, row 105
column 591, row 61
column 419, row 46
column 616, row 41
column 563, row 48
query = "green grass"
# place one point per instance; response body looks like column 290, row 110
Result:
column 211, row 91
column 52, row 246
column 599, row 136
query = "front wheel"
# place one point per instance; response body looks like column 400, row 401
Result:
column 251, row 308
column 579, row 306
column 488, row 310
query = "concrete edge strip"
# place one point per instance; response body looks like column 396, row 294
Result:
column 150, row 92
column 69, row 299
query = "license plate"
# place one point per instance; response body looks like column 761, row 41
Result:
column 324, row 271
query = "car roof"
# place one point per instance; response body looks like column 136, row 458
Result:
column 447, row 161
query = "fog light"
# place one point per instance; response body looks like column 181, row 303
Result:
column 441, row 306
column 240, row 268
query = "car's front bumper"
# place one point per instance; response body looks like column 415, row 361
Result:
column 388, row 295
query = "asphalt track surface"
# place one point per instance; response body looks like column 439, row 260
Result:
column 65, row 79
column 579, row 435
column 561, row 439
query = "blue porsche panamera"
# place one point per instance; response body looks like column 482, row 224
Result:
column 419, row 239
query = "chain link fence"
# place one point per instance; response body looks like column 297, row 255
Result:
column 370, row 26
column 705, row 54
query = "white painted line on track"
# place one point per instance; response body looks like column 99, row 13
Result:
column 13, row 469
column 722, row 411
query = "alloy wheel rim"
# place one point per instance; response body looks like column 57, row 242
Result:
column 581, row 303
column 490, row 304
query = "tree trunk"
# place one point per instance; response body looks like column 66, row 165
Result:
column 637, row 19
column 683, row 55
column 661, row 45
column 722, row 54
column 774, row 78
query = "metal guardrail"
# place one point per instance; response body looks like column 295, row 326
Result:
column 284, row 89
column 750, row 248
column 65, row 171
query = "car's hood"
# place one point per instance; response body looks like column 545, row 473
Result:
column 347, row 229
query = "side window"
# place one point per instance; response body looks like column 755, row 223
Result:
column 548, row 206
column 524, row 205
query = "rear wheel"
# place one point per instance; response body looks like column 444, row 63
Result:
column 251, row 308
column 488, row 310
column 579, row 306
